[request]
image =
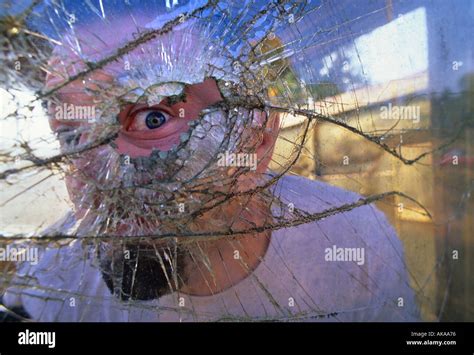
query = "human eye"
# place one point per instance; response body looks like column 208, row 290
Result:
column 148, row 119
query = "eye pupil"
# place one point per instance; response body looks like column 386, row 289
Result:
column 155, row 119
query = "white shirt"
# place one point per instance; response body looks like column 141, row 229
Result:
column 295, row 281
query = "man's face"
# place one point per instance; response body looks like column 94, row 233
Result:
column 129, row 178
column 143, row 129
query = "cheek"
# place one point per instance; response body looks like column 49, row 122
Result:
column 75, row 188
column 85, row 172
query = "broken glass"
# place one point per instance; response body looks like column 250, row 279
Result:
column 236, row 160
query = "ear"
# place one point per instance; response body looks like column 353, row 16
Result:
column 265, row 149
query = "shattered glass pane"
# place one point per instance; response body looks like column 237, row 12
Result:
column 236, row 160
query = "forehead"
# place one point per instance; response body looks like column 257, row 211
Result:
column 138, row 56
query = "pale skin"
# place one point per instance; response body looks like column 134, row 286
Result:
column 136, row 139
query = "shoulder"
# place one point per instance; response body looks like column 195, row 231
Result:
column 355, row 252
column 363, row 226
column 315, row 197
column 63, row 274
column 312, row 195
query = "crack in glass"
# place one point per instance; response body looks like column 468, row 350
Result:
column 234, row 161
